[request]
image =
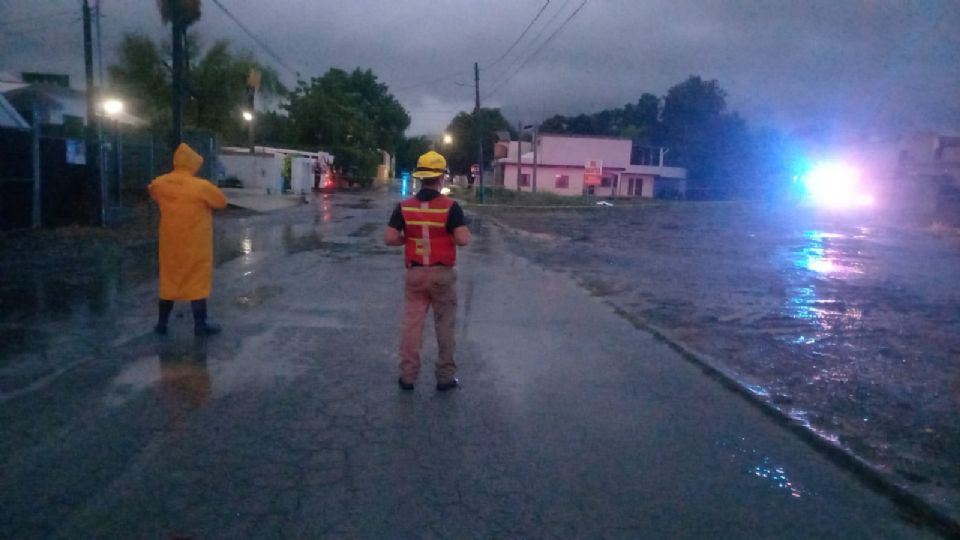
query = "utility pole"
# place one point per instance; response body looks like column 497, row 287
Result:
column 93, row 146
column 253, row 84
column 35, row 150
column 178, row 83
column 536, row 129
column 96, row 12
column 88, row 65
column 477, row 121
column 519, row 152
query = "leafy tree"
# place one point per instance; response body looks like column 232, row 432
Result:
column 639, row 121
column 691, row 112
column 217, row 85
column 142, row 78
column 409, row 150
column 352, row 115
column 218, row 90
column 463, row 152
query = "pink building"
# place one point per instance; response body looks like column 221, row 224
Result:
column 589, row 165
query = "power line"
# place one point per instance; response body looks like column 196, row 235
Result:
column 59, row 13
column 540, row 48
column 534, row 40
column 256, row 39
column 495, row 62
column 525, row 30
column 432, row 81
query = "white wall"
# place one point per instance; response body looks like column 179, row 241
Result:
column 301, row 172
column 256, row 171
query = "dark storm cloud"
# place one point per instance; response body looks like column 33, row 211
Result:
column 782, row 63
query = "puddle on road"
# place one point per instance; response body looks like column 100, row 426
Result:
column 364, row 204
column 367, row 229
column 85, row 289
column 294, row 242
column 291, row 238
column 764, row 468
column 178, row 371
column 257, row 296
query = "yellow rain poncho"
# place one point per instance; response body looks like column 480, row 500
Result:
column 186, row 227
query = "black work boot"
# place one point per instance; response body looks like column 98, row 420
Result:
column 202, row 327
column 166, row 306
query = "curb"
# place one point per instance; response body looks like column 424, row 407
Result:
column 914, row 507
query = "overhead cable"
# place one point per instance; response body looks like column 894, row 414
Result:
column 535, row 40
column 525, row 30
column 256, row 39
column 540, row 48
column 455, row 74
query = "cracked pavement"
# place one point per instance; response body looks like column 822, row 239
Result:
column 570, row 422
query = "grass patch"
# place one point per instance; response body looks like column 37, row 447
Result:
column 508, row 197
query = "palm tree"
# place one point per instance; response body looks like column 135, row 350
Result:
column 181, row 14
column 189, row 11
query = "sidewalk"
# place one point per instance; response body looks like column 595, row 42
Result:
column 570, row 423
column 259, row 200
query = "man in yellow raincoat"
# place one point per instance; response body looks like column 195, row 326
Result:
column 186, row 238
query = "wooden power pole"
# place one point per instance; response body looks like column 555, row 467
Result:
column 477, row 121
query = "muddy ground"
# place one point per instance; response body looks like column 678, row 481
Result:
column 849, row 323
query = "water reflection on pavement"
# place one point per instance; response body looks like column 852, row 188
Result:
column 848, row 323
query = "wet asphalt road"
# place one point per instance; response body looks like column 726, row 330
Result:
column 570, row 422
column 847, row 322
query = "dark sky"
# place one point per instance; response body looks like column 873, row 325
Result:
column 788, row 64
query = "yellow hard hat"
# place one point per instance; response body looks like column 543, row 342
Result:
column 430, row 165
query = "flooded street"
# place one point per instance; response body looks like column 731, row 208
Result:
column 846, row 323
column 570, row 421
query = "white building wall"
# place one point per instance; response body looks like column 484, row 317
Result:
column 256, row 171
column 301, row 172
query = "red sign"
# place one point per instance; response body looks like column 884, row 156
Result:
column 593, row 172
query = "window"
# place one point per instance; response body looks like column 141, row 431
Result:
column 562, row 181
column 524, row 179
column 606, row 181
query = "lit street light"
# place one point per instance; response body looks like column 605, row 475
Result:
column 113, row 107
column 248, row 118
column 447, row 139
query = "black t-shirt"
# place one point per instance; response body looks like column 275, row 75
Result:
column 455, row 217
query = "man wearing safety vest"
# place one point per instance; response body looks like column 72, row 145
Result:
column 430, row 226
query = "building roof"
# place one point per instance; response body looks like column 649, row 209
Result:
column 7, row 86
column 577, row 136
column 9, row 117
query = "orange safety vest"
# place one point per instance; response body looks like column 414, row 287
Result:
column 425, row 228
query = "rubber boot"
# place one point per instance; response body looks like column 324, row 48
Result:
column 166, row 306
column 202, row 327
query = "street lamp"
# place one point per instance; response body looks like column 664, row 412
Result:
column 248, row 118
column 447, row 139
column 113, row 109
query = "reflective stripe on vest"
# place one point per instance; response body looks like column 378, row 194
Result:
column 427, row 239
